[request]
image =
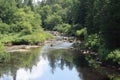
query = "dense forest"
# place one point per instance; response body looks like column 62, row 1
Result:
column 95, row 22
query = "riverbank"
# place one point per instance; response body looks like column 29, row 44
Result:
column 20, row 48
column 94, row 56
column 25, row 48
column 19, row 42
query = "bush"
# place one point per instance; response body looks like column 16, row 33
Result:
column 27, row 28
column 114, row 57
column 20, row 38
column 52, row 21
column 4, row 28
column 103, row 52
column 34, row 38
column 4, row 56
column 74, row 28
column 63, row 28
column 93, row 42
column 8, row 38
column 1, row 48
column 82, row 33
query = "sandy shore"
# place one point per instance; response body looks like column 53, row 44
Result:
column 25, row 48
column 20, row 48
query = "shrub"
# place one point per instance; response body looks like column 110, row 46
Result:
column 4, row 28
column 52, row 21
column 114, row 56
column 93, row 42
column 103, row 52
column 63, row 28
column 8, row 38
column 4, row 56
column 34, row 38
column 1, row 48
column 82, row 33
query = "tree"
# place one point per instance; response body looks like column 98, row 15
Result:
column 90, row 17
column 7, row 9
column 79, row 11
column 44, row 12
column 4, row 28
column 19, row 3
column 52, row 21
column 63, row 28
column 26, row 20
column 55, row 8
column 110, row 29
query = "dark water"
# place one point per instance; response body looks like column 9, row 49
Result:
column 58, row 62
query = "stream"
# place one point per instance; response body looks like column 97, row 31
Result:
column 57, row 62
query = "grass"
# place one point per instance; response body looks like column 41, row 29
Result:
column 19, row 39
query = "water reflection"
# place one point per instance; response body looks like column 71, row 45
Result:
column 53, row 63
column 36, row 72
column 18, row 61
column 70, row 59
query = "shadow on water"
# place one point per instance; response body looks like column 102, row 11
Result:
column 70, row 59
column 58, row 62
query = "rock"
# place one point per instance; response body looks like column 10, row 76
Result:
column 84, row 52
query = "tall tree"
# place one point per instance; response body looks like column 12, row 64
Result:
column 7, row 9
column 90, row 17
column 19, row 3
column 111, row 24
column 79, row 11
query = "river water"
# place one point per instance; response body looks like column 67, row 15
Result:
column 57, row 62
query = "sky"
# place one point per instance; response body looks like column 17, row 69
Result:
column 37, row 0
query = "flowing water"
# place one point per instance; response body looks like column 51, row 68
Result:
column 57, row 62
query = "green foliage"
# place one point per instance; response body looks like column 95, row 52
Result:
column 82, row 34
column 52, row 21
column 25, row 20
column 4, row 57
column 63, row 14
column 90, row 17
column 79, row 11
column 56, row 7
column 19, row 25
column 101, row 19
column 103, row 52
column 63, row 28
column 25, row 25
column 44, row 12
column 7, row 9
column 74, row 28
column 27, row 28
column 19, row 38
column 19, row 3
column 8, row 38
column 110, row 24
column 34, row 38
column 4, row 28
column 93, row 42
column 1, row 48
column 92, row 62
column 114, row 56
column 115, row 78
